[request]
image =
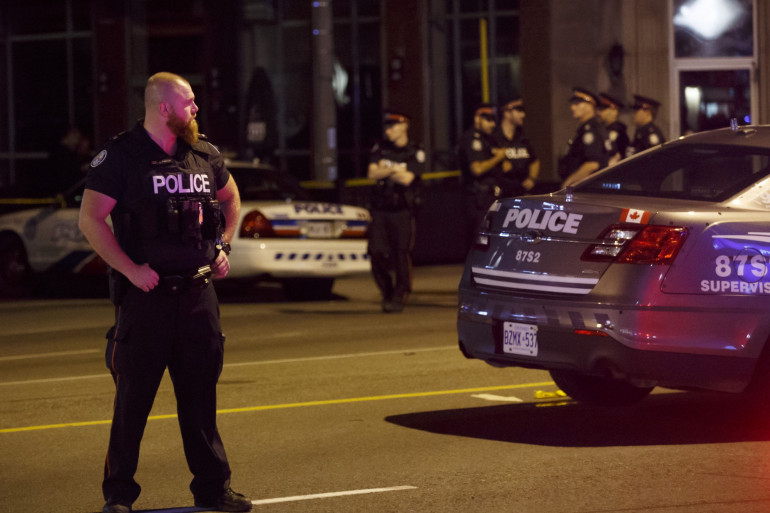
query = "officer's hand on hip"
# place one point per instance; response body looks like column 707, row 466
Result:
column 221, row 265
column 143, row 277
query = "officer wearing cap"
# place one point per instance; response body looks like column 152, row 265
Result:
column 609, row 109
column 521, row 166
column 173, row 206
column 480, row 166
column 590, row 149
column 647, row 132
column 396, row 163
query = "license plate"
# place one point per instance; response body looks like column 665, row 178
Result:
column 319, row 230
column 520, row 338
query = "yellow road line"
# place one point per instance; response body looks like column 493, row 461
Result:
column 295, row 405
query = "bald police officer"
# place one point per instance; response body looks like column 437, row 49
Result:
column 590, row 149
column 167, row 191
column 647, row 132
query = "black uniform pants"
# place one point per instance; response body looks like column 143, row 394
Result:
column 154, row 331
column 391, row 239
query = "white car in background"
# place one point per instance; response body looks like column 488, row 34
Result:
column 285, row 236
column 282, row 236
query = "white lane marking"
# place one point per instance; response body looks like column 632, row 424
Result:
column 331, row 494
column 492, row 397
column 241, row 364
column 47, row 355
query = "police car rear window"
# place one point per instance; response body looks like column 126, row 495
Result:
column 701, row 173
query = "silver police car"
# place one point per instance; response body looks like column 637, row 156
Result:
column 653, row 272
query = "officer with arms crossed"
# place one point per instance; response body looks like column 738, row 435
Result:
column 590, row 149
column 521, row 166
column 166, row 190
column 481, row 165
column 396, row 163
column 647, row 132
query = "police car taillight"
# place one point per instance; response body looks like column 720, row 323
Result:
column 638, row 244
column 256, row 226
column 654, row 245
column 481, row 240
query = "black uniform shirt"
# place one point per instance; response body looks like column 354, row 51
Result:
column 619, row 137
column 590, row 144
column 477, row 146
column 160, row 198
column 518, row 151
column 646, row 137
column 387, row 194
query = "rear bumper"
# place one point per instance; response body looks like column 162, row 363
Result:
column 658, row 346
column 295, row 258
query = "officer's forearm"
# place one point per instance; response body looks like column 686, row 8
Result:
column 231, row 209
column 378, row 170
column 482, row 166
column 534, row 170
column 102, row 240
column 403, row 177
column 584, row 170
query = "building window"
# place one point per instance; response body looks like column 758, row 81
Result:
column 713, row 61
column 480, row 55
column 281, row 44
column 45, row 88
column 713, row 28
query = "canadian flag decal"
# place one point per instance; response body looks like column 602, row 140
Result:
column 630, row 215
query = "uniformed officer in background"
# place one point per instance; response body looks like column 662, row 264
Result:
column 396, row 163
column 481, row 164
column 166, row 190
column 521, row 166
column 609, row 110
column 590, row 149
column 647, row 132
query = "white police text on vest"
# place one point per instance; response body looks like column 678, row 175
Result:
column 182, row 183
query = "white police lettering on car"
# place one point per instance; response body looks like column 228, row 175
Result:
column 553, row 220
column 181, row 183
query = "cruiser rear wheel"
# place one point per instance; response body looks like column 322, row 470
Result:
column 598, row 391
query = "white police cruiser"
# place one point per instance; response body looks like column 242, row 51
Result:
column 282, row 236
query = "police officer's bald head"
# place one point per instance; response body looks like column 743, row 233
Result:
column 160, row 86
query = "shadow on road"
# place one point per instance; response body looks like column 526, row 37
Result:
column 661, row 419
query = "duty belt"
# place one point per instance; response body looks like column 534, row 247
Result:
column 179, row 283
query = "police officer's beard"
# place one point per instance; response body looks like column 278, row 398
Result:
column 187, row 131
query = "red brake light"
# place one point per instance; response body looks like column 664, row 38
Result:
column 638, row 244
column 654, row 245
column 255, row 226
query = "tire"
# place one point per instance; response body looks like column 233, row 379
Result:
column 598, row 391
column 758, row 389
column 308, row 289
column 15, row 272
